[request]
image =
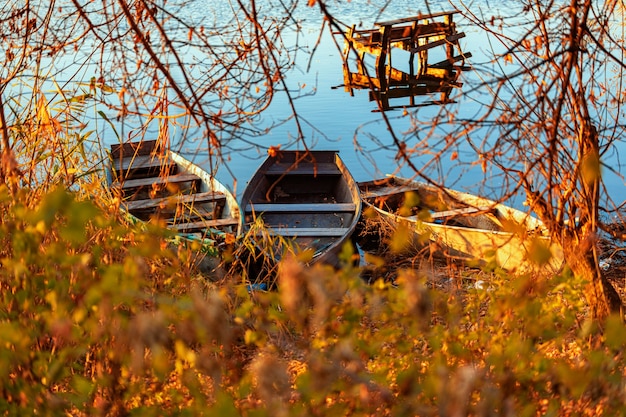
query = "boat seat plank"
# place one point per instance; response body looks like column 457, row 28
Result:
column 141, row 165
column 303, row 208
column 198, row 198
column 323, row 168
column 202, row 212
column 206, row 224
column 128, row 149
column 205, row 212
column 459, row 212
column 131, row 184
column 387, row 191
column 308, row 231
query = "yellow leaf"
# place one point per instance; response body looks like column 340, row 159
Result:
column 374, row 260
column 184, row 353
column 43, row 115
column 590, row 169
column 274, row 151
column 41, row 227
column 539, row 252
column 614, row 334
column 51, row 298
column 401, row 238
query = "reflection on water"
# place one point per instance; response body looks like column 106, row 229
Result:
column 331, row 119
column 334, row 120
column 413, row 57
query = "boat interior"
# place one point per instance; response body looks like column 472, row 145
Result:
column 153, row 187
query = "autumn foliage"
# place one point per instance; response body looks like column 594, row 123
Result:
column 101, row 318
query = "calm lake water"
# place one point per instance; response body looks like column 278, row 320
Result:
column 335, row 120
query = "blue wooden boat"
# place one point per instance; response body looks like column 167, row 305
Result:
column 304, row 198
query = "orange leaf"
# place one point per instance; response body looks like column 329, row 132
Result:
column 43, row 116
column 273, row 151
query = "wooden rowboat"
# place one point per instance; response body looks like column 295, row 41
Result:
column 308, row 198
column 158, row 184
column 463, row 224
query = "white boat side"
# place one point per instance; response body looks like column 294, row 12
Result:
column 210, row 183
column 511, row 237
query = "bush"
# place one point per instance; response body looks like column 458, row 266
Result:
column 100, row 318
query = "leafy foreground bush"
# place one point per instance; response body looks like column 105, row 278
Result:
column 98, row 319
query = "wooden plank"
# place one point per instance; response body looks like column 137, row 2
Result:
column 415, row 18
column 402, row 36
column 160, row 180
column 459, row 212
column 388, row 191
column 138, row 162
column 208, row 212
column 431, row 29
column 302, row 208
column 417, row 90
column 323, row 168
column 355, row 32
column 198, row 198
column 142, row 166
column 437, row 75
column 448, row 39
column 421, row 104
column 308, row 232
column 206, row 224
column 381, row 67
column 129, row 149
column 205, row 212
column 432, row 78
column 372, row 49
column 363, row 81
column 448, row 63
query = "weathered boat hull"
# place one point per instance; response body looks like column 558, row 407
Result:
column 156, row 184
column 307, row 198
column 465, row 225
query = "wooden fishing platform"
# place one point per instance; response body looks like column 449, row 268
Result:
column 410, row 39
